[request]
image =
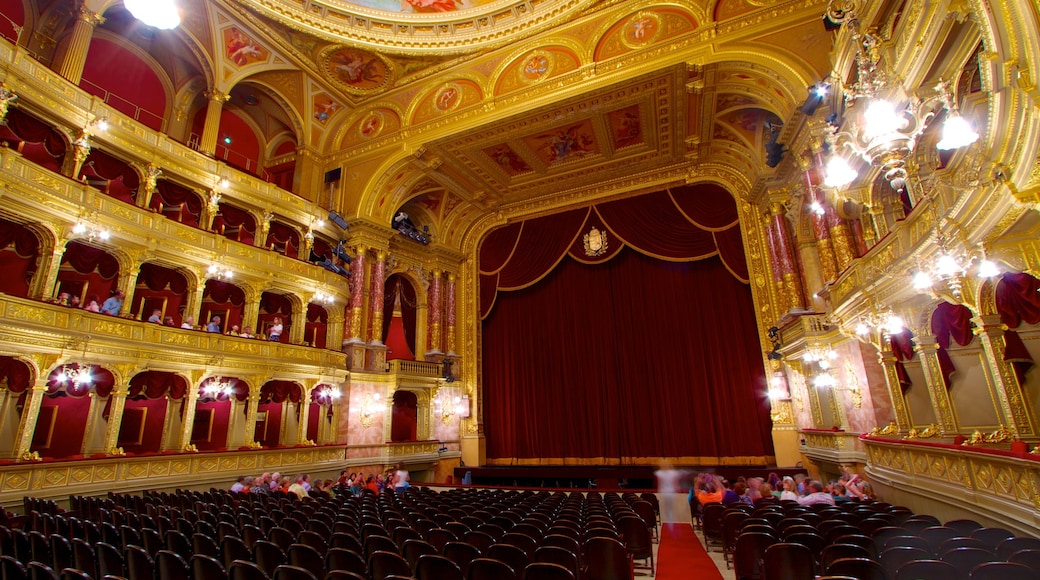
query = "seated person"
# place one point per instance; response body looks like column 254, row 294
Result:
column 113, row 304
column 73, row 301
column 274, row 334
column 168, row 321
column 156, row 316
column 234, row 330
column 62, row 299
column 92, row 304
column 247, row 332
column 214, row 325
column 189, row 323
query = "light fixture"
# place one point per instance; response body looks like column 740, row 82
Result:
column 448, row 406
column 162, row 14
column 371, row 406
column 885, row 133
column 75, row 375
column 822, row 355
column 90, row 231
column 218, row 271
column 778, row 389
column 323, row 299
column 884, row 322
column 327, row 394
column 950, row 267
column 217, row 388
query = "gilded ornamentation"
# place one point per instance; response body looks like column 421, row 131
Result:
column 929, row 432
column 31, row 456
column 595, row 242
column 117, row 452
column 890, row 429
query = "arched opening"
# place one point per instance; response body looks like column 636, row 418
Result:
column 16, row 376
column 62, row 421
column 235, row 224
column 110, row 175
column 275, row 317
column 404, row 417
column 160, row 292
column 144, row 421
column 284, row 239
column 120, row 78
column 317, row 324
column 322, row 412
column 274, row 414
column 87, row 275
column 217, row 396
column 177, row 203
column 34, row 139
column 222, row 299
column 19, row 251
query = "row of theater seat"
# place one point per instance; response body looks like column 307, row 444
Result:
column 458, row 534
column 864, row 540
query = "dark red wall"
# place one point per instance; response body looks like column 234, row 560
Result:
column 131, row 82
column 221, row 414
column 153, row 426
column 70, row 424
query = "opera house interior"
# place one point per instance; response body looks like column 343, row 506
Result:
column 323, row 235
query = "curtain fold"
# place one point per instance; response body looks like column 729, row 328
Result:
column 158, row 384
column 1018, row 299
column 168, row 194
column 397, row 285
column 86, row 259
column 950, row 321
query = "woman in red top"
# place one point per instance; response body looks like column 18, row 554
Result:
column 371, row 485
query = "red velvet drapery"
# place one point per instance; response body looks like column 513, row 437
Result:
column 275, row 306
column 93, row 271
column 223, row 299
column 158, row 384
column 112, row 176
column 235, row 224
column 37, row 141
column 19, row 250
column 16, row 373
column 177, row 203
column 1018, row 300
column 649, row 350
column 280, row 392
column 902, row 345
column 403, row 346
column 314, row 330
column 950, row 321
column 404, row 416
column 158, row 286
column 284, row 239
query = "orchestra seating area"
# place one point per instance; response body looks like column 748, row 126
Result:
column 862, row 540
column 470, row 534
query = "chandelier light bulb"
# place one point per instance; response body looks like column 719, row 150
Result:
column 820, row 90
column 988, row 269
column 103, row 235
column 894, row 324
column 162, row 14
column 947, row 266
column 922, row 281
column 862, row 329
column 881, row 119
column 816, row 207
column 956, row 133
column 838, row 172
column 79, row 228
column 823, row 381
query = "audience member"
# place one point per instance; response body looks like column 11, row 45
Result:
column 114, row 304
column 62, row 299
column 298, row 488
column 816, row 495
column 156, row 316
column 239, row 485
column 274, row 334
column 247, row 332
column 401, row 479
column 189, row 323
column 234, row 330
column 168, row 321
column 789, row 492
column 74, row 301
column 214, row 325
column 709, row 489
column 92, row 304
column 275, row 481
column 371, row 485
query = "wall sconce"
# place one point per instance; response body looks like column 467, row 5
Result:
column 778, row 389
column 371, row 405
column 327, row 395
column 323, row 298
column 220, row 272
column 75, row 376
column 215, row 389
column 90, row 231
column 448, row 406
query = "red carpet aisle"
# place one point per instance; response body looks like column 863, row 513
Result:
column 681, row 556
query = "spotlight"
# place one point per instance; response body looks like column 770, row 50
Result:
column 336, row 219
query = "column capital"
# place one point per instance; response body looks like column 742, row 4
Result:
column 217, row 96
column 87, row 15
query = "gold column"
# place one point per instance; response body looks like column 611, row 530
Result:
column 127, row 284
column 194, row 305
column 841, row 239
column 449, row 315
column 30, row 414
column 1014, row 403
column 72, row 59
column 263, row 227
column 209, row 211
column 928, row 348
column 334, row 329
column 191, row 399
column 305, row 409
column 297, row 328
column 252, row 407
column 251, row 310
column 151, row 179
column 895, row 391
column 828, row 261
column 214, row 105
column 45, row 280
column 115, row 418
column 433, row 313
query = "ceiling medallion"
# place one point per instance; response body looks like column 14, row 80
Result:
column 641, row 29
column 595, row 243
column 372, row 125
column 537, row 66
column 448, row 97
column 358, row 71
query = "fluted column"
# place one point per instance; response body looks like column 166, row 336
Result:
column 262, row 229
column 928, row 348
column 449, row 315
column 376, row 298
column 252, row 407
column 895, row 391
column 251, row 309
column 1008, row 390
column 30, row 414
column 357, row 296
column 305, row 409
column 821, row 231
column 191, row 400
column 45, row 280
column 334, row 329
column 127, row 284
column 433, row 310
column 70, row 64
column 193, row 307
column 299, row 320
column 115, row 417
column 214, row 106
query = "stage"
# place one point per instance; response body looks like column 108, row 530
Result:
column 628, row 477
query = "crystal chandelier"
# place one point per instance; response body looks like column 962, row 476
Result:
column 884, row 133
column 219, row 272
column 886, row 323
column 950, row 268
column 162, row 14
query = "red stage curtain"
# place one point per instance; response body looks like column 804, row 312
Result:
column 170, row 196
column 950, row 321
column 19, row 250
column 626, row 361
